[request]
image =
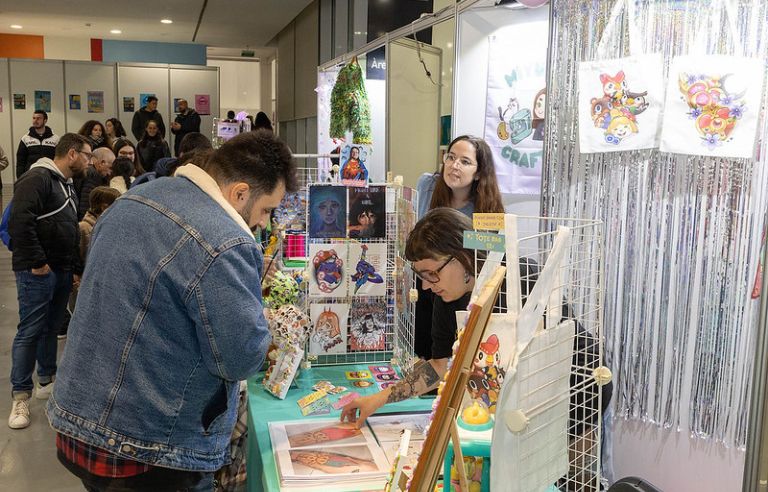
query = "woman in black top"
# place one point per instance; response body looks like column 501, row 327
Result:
column 152, row 147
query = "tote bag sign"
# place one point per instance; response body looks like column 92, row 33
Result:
column 713, row 105
column 620, row 99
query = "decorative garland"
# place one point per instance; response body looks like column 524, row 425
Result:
column 350, row 110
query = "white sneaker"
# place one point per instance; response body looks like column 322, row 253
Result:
column 43, row 392
column 19, row 417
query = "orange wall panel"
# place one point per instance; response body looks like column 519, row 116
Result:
column 21, row 46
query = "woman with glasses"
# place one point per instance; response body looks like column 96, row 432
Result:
column 125, row 148
column 466, row 182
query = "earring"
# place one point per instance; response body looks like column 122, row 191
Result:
column 466, row 277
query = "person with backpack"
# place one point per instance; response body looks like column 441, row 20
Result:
column 43, row 231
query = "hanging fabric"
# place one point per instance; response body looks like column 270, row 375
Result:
column 620, row 99
column 350, row 109
column 713, row 101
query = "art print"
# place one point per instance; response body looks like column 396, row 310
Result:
column 367, row 326
column 128, row 105
column 333, row 461
column 19, row 101
column 712, row 106
column 43, row 101
column 74, row 102
column 353, row 165
column 387, row 427
column 487, row 374
column 291, row 214
column 325, row 433
column 327, row 211
column 203, row 104
column 329, row 328
column 367, row 212
column 144, row 98
column 614, row 111
column 368, row 275
column 328, row 270
column 95, row 101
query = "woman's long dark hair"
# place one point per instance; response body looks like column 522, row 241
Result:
column 439, row 235
column 119, row 130
column 123, row 142
column 485, row 192
column 123, row 167
column 146, row 136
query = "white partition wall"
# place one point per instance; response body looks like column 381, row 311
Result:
column 188, row 82
column 80, row 78
column 6, row 140
column 134, row 80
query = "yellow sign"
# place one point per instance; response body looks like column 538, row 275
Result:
column 490, row 222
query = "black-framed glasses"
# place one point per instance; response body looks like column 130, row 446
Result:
column 433, row 276
column 89, row 155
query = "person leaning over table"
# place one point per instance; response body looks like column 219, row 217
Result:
column 435, row 248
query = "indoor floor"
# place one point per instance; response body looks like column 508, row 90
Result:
column 28, row 456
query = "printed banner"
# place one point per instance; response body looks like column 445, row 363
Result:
column 515, row 104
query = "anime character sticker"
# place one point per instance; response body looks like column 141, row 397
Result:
column 615, row 111
column 329, row 328
column 367, row 326
column 518, row 124
column 539, row 114
column 368, row 277
column 487, row 375
column 327, row 270
column 353, row 171
column 327, row 211
column 715, row 108
column 367, row 212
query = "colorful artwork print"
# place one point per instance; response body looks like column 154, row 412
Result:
column 342, row 460
column 19, row 101
column 95, row 101
column 43, row 101
column 367, row 212
column 614, row 112
column 368, row 277
column 353, row 170
column 714, row 109
column 329, row 328
column 74, row 102
column 327, row 211
column 367, row 326
column 487, row 375
column 302, row 435
column 291, row 214
column 327, row 268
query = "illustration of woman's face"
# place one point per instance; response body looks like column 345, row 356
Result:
column 329, row 209
column 539, row 106
column 354, row 153
column 366, row 218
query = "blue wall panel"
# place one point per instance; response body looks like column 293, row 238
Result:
column 149, row 52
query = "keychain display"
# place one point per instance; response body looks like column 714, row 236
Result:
column 289, row 327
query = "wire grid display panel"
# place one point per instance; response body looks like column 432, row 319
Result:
column 581, row 288
column 405, row 280
column 398, row 333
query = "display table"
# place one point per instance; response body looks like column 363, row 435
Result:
column 264, row 408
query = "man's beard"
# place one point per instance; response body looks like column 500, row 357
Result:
column 78, row 173
column 245, row 213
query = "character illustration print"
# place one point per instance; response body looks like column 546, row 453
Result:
column 327, row 330
column 487, row 375
column 615, row 111
column 365, row 272
column 328, row 270
column 714, row 107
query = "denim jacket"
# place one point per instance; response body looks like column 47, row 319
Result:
column 169, row 319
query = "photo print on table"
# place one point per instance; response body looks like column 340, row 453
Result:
column 367, row 326
column 334, row 461
column 328, row 267
column 367, row 212
column 329, row 328
column 327, row 211
column 367, row 264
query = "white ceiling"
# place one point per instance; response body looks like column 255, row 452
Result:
column 225, row 23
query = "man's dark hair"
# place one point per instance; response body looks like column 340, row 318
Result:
column 70, row 141
column 40, row 111
column 256, row 158
column 151, row 98
column 230, row 115
column 194, row 141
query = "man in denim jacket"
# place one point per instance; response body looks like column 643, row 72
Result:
column 169, row 319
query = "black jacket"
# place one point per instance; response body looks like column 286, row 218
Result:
column 140, row 120
column 190, row 123
column 53, row 240
column 150, row 151
column 84, row 187
column 32, row 147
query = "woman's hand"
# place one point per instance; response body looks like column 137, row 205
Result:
column 366, row 406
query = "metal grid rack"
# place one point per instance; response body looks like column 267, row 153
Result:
column 581, row 289
column 399, row 278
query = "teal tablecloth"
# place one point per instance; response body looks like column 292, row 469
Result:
column 264, row 408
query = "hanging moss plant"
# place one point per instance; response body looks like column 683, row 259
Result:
column 350, row 110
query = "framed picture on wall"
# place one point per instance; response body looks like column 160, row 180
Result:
column 19, row 101
column 95, row 101
column 128, row 105
column 74, row 102
column 43, row 101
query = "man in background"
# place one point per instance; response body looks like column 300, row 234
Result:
column 39, row 142
column 144, row 115
column 98, row 173
column 187, row 121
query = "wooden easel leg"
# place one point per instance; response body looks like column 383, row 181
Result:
column 458, row 461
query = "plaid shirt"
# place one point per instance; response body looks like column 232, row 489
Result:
column 96, row 460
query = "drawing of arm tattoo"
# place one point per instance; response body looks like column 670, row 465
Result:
column 421, row 378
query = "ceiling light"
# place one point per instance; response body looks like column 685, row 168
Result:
column 15, row 26
column 166, row 21
column 116, row 31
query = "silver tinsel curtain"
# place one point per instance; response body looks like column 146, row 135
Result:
column 682, row 233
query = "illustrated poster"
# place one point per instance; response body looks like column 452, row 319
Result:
column 203, row 104
column 367, row 326
column 143, row 97
column 327, row 211
column 129, row 105
column 516, row 101
column 291, row 214
column 328, row 334
column 43, row 101
column 95, row 101
column 353, row 160
column 328, row 270
column 74, row 102
column 366, row 270
column 19, row 101
column 367, row 212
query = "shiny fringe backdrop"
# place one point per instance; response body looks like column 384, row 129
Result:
column 682, row 233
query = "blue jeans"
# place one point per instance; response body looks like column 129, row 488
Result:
column 42, row 304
